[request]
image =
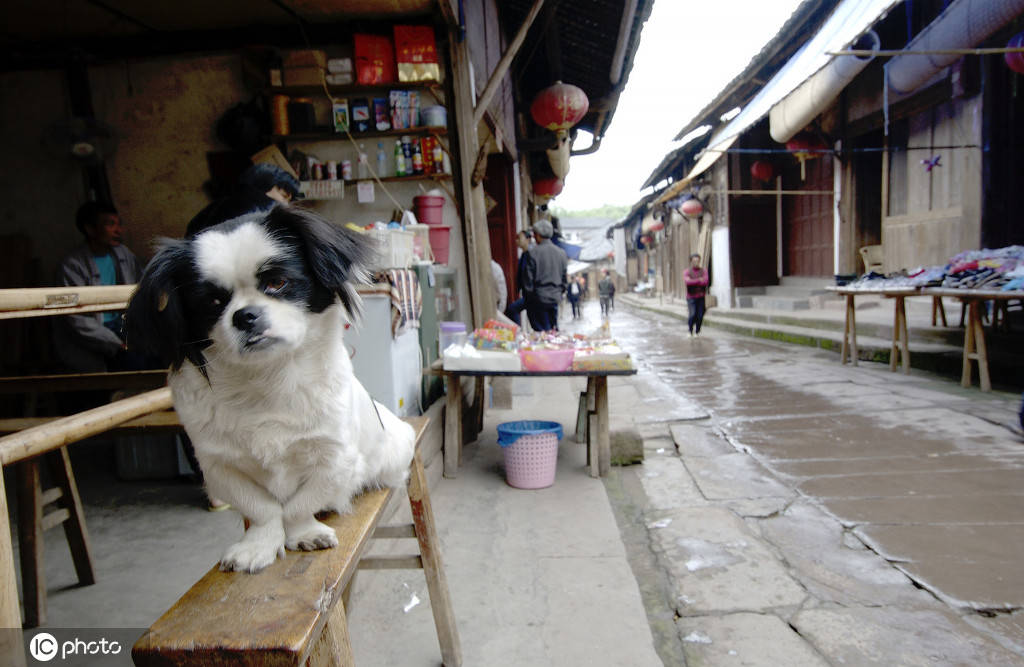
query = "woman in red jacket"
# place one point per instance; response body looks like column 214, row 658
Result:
column 696, row 280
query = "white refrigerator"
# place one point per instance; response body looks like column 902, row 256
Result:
column 389, row 367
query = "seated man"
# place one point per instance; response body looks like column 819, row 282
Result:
column 94, row 342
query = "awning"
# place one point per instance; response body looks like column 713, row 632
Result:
column 850, row 20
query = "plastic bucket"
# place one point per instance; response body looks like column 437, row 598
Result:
column 531, row 452
column 428, row 209
column 439, row 243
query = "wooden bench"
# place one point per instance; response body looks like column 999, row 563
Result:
column 293, row 612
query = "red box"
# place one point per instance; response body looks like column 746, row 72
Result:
column 375, row 59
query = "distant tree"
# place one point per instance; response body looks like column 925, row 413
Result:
column 608, row 211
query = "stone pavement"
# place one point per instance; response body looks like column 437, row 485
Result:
column 807, row 513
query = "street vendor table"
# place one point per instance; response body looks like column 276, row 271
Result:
column 598, row 442
column 974, row 336
column 899, row 351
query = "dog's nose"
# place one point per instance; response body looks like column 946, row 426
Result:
column 250, row 319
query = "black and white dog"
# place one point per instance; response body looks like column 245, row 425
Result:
column 248, row 314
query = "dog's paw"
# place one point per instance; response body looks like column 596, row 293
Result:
column 250, row 556
column 310, row 536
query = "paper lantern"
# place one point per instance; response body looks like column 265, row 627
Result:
column 546, row 189
column 805, row 146
column 691, row 208
column 1015, row 61
column 762, row 171
column 559, row 106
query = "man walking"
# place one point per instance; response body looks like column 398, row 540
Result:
column 605, row 292
column 545, row 280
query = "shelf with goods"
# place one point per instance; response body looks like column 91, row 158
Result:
column 356, row 89
column 327, row 135
column 328, row 190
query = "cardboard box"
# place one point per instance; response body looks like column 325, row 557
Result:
column 304, row 58
column 303, row 76
column 273, row 155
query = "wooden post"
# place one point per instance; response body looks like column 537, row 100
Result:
column 604, row 449
column 453, row 426
column 899, row 336
column 10, row 615
column 974, row 347
column 433, row 569
column 850, row 333
column 30, row 543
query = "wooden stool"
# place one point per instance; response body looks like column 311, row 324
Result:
column 293, row 613
column 33, row 521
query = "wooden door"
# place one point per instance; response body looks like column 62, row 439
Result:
column 501, row 218
column 807, row 220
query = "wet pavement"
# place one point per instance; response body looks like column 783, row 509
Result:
column 807, row 512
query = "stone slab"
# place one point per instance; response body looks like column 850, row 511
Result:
column 935, row 510
column 833, row 568
column 668, row 484
column 965, row 566
column 717, row 565
column 750, row 640
column 932, row 462
column 901, row 484
column 735, row 476
column 694, row 440
column 886, row 636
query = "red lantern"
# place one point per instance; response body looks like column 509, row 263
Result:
column 805, row 146
column 559, row 107
column 1015, row 61
column 762, row 171
column 692, row 208
column 546, row 189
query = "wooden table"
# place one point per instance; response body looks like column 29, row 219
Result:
column 598, row 442
column 974, row 336
column 899, row 352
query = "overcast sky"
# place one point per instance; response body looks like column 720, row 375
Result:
column 689, row 50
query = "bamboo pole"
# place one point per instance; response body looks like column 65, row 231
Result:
column 40, row 439
column 51, row 298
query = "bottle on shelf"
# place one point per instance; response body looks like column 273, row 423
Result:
column 437, row 158
column 417, row 159
column 399, row 159
column 363, row 168
column 407, row 153
column 382, row 161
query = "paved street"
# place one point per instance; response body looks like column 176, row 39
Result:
column 801, row 512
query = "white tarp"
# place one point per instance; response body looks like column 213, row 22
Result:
column 847, row 23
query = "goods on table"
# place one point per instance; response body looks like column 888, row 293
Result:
column 989, row 269
column 501, row 346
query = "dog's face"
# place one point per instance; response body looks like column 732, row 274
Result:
column 243, row 290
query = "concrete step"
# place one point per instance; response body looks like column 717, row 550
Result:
column 780, row 302
column 794, row 290
column 951, row 336
column 813, row 282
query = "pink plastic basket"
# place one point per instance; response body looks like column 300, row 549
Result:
column 530, row 461
column 547, row 360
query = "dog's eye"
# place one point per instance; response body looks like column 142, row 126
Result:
column 274, row 285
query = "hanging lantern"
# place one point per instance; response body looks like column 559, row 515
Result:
column 1015, row 61
column 762, row 171
column 559, row 106
column 805, row 146
column 692, row 208
column 546, row 189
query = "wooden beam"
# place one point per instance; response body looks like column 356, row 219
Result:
column 53, row 298
column 503, row 64
column 34, row 441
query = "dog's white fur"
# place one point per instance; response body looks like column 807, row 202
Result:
column 283, row 429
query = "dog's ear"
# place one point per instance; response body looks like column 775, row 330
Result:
column 155, row 319
column 336, row 255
